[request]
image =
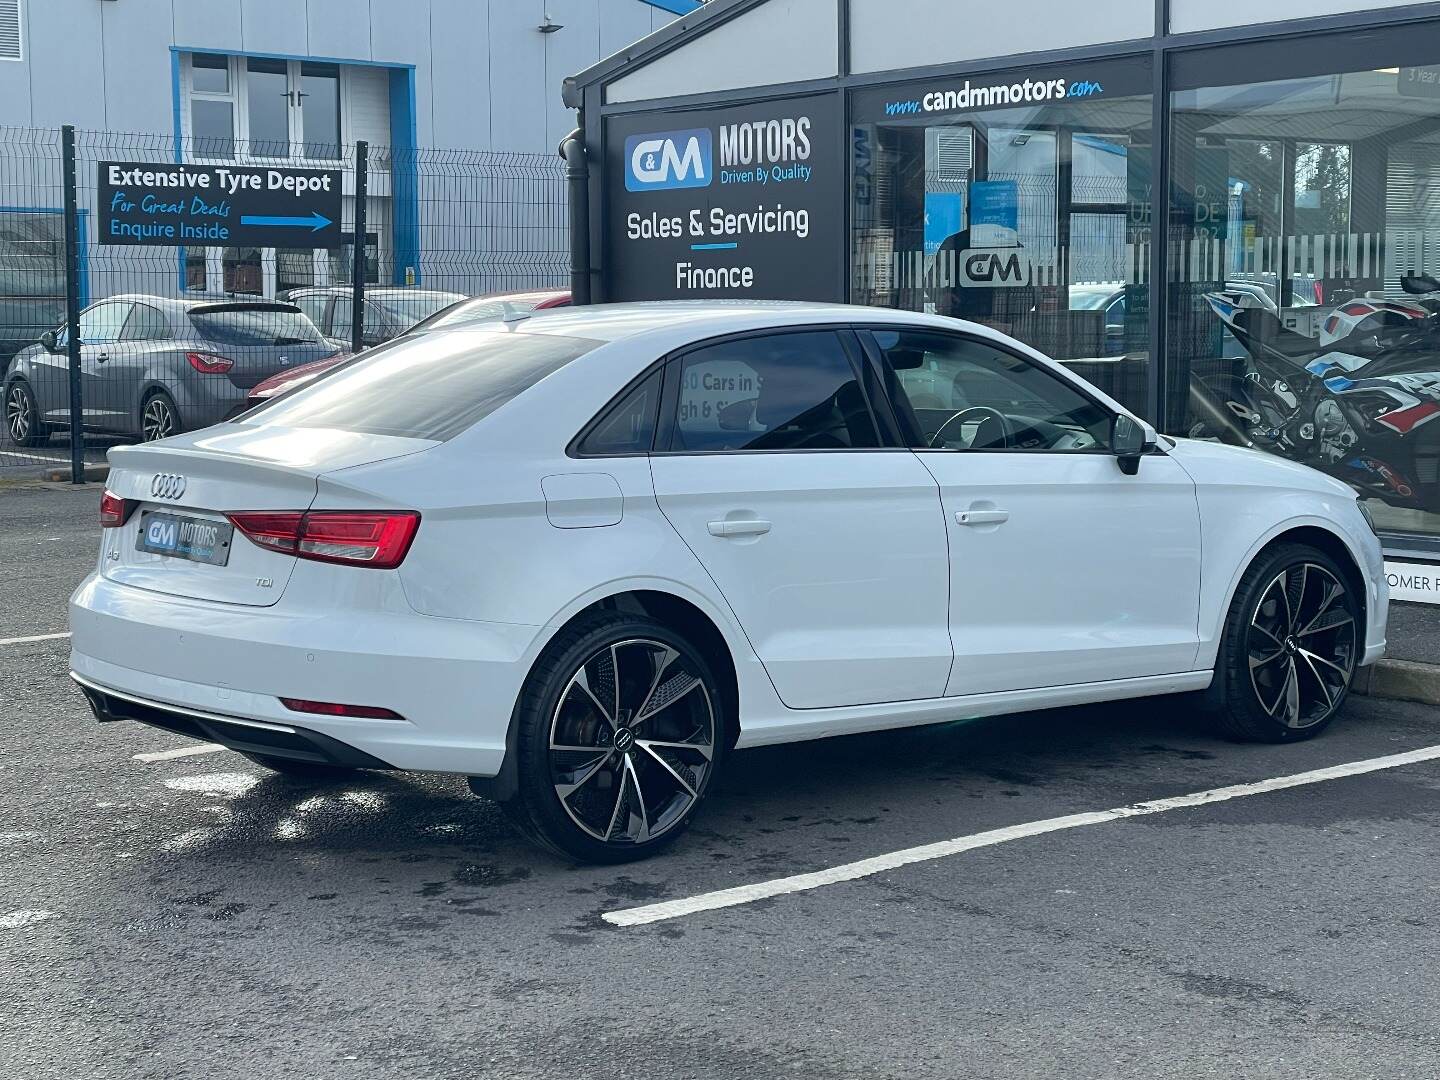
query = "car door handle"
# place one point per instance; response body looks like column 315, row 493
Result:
column 981, row 517
column 742, row 527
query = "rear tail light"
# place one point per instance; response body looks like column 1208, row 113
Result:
column 114, row 511
column 208, row 363
column 330, row 708
column 351, row 537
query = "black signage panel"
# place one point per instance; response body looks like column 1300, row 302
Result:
column 744, row 202
column 941, row 97
column 142, row 202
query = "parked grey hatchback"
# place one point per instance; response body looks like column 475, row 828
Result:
column 153, row 367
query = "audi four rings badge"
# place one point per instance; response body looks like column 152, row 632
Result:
column 167, row 485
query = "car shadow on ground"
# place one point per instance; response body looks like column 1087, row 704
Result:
column 909, row 775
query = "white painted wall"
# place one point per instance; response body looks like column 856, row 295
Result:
column 486, row 78
column 887, row 35
column 779, row 41
column 1189, row 15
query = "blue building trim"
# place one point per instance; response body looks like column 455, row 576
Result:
column 351, row 61
column 676, row 7
column 80, row 234
column 404, row 140
column 179, row 134
column 404, row 176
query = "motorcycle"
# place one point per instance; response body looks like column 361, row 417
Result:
column 1358, row 401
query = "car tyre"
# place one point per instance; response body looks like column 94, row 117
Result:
column 620, row 731
column 310, row 771
column 1290, row 647
column 159, row 418
column 23, row 425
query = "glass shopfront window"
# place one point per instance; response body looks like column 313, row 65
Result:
column 1302, row 293
column 1020, row 200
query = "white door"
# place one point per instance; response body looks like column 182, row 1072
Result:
column 1064, row 569
column 830, row 550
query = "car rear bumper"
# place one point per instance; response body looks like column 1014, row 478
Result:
column 209, row 669
column 277, row 740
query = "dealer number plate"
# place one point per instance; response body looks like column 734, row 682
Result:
column 199, row 540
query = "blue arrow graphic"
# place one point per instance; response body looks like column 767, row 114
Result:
column 314, row 221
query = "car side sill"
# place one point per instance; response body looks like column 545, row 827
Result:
column 795, row 725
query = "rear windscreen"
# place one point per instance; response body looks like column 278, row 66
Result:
column 258, row 327
column 430, row 387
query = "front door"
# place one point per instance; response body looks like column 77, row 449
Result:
column 1063, row 568
column 100, row 327
column 830, row 550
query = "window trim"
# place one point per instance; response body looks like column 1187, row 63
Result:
column 135, row 309
column 574, row 447
column 664, row 444
column 109, row 302
column 876, row 355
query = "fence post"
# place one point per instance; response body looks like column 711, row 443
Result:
column 357, row 268
column 72, row 304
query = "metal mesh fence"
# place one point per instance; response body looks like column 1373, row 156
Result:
column 178, row 327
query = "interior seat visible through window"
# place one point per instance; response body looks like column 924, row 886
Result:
column 794, row 391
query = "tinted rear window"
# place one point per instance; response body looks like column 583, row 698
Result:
column 431, row 387
column 262, row 327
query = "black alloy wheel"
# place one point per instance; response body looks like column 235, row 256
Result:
column 1292, row 643
column 620, row 736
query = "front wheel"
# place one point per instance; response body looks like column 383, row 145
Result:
column 619, row 736
column 1290, row 647
column 22, row 416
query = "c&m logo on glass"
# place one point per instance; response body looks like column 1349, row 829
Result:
column 666, row 160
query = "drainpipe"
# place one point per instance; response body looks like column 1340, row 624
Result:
column 577, row 180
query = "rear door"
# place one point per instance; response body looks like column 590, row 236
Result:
column 146, row 333
column 829, row 547
column 1064, row 569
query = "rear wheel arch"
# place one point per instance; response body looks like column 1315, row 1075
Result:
column 670, row 608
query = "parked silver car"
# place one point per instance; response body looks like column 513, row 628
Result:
column 153, row 367
column 389, row 312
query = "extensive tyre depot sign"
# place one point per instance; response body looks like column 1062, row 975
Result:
column 734, row 202
column 143, row 202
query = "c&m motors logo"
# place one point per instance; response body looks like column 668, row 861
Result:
column 665, row 160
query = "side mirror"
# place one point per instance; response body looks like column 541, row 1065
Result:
column 50, row 341
column 1130, row 440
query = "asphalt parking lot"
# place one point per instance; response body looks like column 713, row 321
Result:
column 191, row 916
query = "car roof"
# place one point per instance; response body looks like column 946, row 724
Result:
column 378, row 291
column 179, row 305
column 702, row 318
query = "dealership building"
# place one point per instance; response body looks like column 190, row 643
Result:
column 1208, row 210
column 457, row 101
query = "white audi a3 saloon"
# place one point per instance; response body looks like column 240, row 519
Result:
column 579, row 558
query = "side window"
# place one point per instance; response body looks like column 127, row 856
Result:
column 778, row 392
column 966, row 394
column 343, row 313
column 628, row 427
column 102, row 323
column 145, row 324
column 313, row 307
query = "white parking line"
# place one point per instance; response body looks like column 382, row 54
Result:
column 34, row 637
column 747, row 894
column 34, row 457
column 178, row 752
